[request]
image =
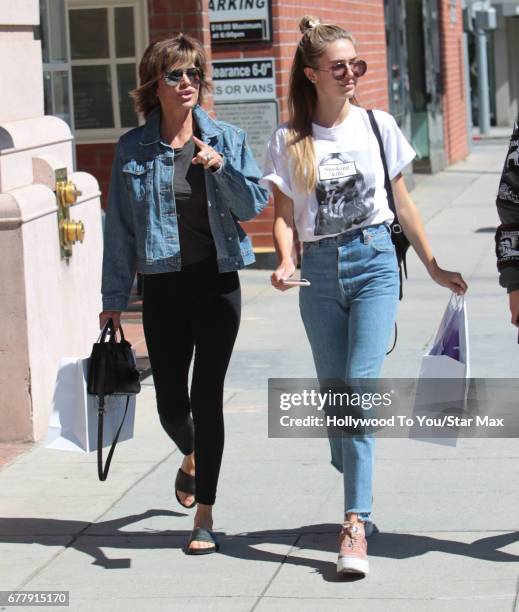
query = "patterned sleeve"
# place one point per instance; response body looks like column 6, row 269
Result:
column 507, row 234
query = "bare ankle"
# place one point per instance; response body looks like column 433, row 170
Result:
column 352, row 517
column 188, row 463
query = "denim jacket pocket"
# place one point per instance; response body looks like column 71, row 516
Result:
column 138, row 177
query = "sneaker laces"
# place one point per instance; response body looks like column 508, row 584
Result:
column 350, row 535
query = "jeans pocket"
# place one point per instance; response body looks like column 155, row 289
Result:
column 381, row 241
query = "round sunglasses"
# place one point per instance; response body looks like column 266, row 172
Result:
column 338, row 71
column 173, row 77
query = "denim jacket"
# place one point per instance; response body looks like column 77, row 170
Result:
column 141, row 229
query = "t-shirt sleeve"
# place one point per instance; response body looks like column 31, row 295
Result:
column 276, row 169
column 398, row 151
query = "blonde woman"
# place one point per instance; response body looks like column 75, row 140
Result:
column 325, row 171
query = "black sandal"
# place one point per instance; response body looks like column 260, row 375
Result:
column 200, row 534
column 185, row 483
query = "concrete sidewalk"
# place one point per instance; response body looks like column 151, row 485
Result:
column 448, row 515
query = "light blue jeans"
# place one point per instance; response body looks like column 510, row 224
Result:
column 349, row 312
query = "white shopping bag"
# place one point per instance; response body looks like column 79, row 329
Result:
column 74, row 421
column 447, row 359
column 448, row 356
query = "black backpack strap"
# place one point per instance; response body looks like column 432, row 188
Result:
column 390, row 200
column 387, row 180
column 103, row 472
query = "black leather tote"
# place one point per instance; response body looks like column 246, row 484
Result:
column 111, row 371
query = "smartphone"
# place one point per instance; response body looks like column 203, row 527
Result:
column 297, row 282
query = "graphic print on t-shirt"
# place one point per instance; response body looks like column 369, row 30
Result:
column 342, row 196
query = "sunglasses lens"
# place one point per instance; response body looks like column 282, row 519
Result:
column 193, row 74
column 359, row 68
column 173, row 76
column 339, row 72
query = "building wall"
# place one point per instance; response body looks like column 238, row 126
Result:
column 454, row 103
column 366, row 22
column 97, row 160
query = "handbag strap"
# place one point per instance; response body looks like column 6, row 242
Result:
column 103, row 472
column 110, row 327
column 387, row 180
column 390, row 200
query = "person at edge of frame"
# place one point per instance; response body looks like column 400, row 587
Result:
column 180, row 185
column 507, row 234
column 326, row 175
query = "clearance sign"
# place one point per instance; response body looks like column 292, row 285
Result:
column 240, row 21
column 241, row 80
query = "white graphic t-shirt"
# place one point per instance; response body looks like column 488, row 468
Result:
column 350, row 189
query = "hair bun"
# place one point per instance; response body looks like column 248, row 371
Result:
column 308, row 22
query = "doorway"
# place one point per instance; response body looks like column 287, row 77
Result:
column 425, row 84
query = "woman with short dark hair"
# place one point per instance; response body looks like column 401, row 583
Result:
column 180, row 185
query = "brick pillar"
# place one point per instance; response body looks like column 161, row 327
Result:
column 454, row 104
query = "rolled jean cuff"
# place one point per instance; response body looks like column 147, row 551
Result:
column 362, row 514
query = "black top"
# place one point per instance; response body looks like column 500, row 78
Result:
column 196, row 239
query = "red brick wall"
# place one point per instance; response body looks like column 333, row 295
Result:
column 366, row 22
column 97, row 160
column 454, row 104
column 187, row 16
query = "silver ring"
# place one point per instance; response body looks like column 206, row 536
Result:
column 208, row 157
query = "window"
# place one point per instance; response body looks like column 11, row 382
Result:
column 56, row 65
column 107, row 39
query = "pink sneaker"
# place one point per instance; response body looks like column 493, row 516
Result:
column 353, row 551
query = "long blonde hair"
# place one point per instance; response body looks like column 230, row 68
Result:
column 302, row 97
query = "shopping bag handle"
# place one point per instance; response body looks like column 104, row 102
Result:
column 103, row 472
column 458, row 300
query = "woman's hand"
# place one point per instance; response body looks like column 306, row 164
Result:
column 513, row 297
column 207, row 156
column 283, row 272
column 110, row 314
column 452, row 280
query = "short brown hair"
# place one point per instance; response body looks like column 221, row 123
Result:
column 160, row 55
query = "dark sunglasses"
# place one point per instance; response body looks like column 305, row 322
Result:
column 339, row 70
column 173, row 77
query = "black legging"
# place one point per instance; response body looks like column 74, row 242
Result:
column 196, row 308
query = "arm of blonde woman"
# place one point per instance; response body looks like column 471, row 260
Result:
column 283, row 232
column 413, row 228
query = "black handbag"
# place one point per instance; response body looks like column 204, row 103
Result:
column 111, row 371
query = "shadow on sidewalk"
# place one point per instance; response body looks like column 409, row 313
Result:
column 323, row 538
column 247, row 546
